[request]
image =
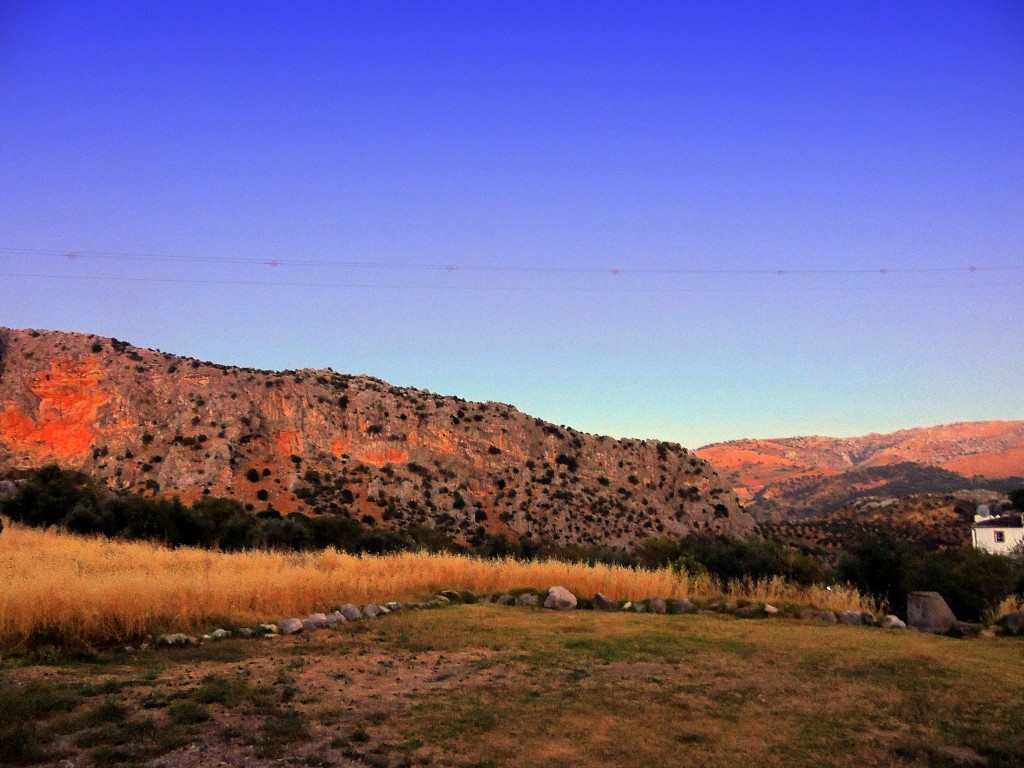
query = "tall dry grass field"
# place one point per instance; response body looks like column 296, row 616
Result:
column 83, row 591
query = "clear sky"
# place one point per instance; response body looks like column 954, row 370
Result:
column 577, row 208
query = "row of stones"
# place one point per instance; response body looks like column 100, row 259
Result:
column 556, row 598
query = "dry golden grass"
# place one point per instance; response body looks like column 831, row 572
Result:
column 81, row 591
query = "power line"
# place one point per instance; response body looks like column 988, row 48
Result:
column 505, row 288
column 74, row 255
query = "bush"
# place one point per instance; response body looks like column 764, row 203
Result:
column 252, row 475
column 972, row 581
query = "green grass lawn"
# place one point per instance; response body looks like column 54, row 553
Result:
column 491, row 686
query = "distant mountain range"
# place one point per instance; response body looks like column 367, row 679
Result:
column 322, row 442
column 798, row 477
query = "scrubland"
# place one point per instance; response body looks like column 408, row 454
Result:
column 74, row 591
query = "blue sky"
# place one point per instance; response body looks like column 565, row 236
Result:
column 532, row 148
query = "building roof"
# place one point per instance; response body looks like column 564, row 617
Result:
column 1006, row 521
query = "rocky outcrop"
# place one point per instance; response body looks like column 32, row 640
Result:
column 318, row 441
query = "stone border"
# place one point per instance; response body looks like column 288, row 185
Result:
column 559, row 598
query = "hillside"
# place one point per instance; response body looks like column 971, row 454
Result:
column 801, row 476
column 321, row 442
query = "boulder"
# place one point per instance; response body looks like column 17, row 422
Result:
column 505, row 599
column 602, row 602
column 350, row 612
column 220, row 634
column 893, row 622
column 441, row 600
column 383, row 610
column 868, row 619
column 560, row 599
column 851, row 617
column 268, row 629
column 393, row 606
column 826, row 617
column 289, row 626
column 451, row 595
column 638, row 608
column 681, row 606
column 370, row 610
column 659, row 605
column 467, row 596
column 246, row 632
column 175, row 640
column 1014, row 622
column 309, row 625
column 334, row 618
column 527, row 599
column 627, row 606
column 318, row 620
column 928, row 612
column 770, row 610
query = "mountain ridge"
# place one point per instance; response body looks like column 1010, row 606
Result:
column 797, row 476
column 320, row 442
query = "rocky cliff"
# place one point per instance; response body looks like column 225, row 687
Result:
column 322, row 442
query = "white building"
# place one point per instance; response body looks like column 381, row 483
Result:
column 999, row 534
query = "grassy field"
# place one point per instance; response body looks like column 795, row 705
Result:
column 80, row 592
column 480, row 685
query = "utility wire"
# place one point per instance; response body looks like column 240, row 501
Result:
column 506, row 288
column 73, row 255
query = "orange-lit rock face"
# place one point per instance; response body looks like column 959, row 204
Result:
column 289, row 442
column 65, row 426
column 379, row 455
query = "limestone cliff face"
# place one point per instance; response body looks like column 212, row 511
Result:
column 318, row 441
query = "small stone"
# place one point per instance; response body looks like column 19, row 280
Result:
column 350, row 612
column 268, row 629
column 246, row 632
column 220, row 634
column 893, row 622
column 560, row 599
column 205, row 638
column 967, row 629
column 441, row 600
column 602, row 602
column 527, row 599
column 505, row 599
column 659, row 605
column 393, row 606
column 175, row 640
column 289, row 626
column 383, row 610
column 770, row 610
column 681, row 606
column 627, row 606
